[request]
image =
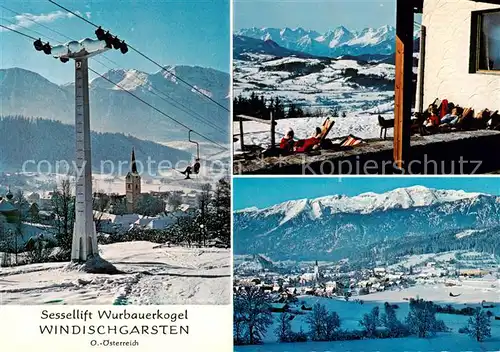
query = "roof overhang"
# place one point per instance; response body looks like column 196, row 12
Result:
column 496, row 2
column 418, row 5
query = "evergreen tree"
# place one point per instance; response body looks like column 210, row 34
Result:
column 34, row 212
column 422, row 320
column 63, row 208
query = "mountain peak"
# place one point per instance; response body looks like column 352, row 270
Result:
column 333, row 43
column 364, row 203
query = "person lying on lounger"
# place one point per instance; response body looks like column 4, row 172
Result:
column 287, row 143
column 453, row 117
column 433, row 120
column 308, row 144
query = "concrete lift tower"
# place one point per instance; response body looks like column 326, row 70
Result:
column 84, row 244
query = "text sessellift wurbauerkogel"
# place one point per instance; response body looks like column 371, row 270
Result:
column 85, row 315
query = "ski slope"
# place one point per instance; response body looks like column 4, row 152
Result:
column 152, row 274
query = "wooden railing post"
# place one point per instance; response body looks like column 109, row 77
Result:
column 273, row 131
column 242, row 144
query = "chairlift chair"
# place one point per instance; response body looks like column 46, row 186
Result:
column 196, row 166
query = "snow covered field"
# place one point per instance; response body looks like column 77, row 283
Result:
column 472, row 293
column 153, row 274
column 314, row 84
column 318, row 84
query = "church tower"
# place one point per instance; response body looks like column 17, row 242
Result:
column 316, row 271
column 132, row 186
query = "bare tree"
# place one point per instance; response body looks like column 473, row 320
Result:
column 317, row 322
column 479, row 326
column 253, row 305
column 283, row 331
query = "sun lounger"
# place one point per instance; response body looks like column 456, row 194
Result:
column 325, row 128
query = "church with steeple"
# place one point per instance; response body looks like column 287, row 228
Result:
column 132, row 186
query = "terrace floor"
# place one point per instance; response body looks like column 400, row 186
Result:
column 463, row 152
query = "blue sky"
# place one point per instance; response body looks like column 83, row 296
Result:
column 264, row 192
column 172, row 32
column 320, row 15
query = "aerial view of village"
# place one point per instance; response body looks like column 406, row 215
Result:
column 366, row 264
column 321, row 83
column 114, row 156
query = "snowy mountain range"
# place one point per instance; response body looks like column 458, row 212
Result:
column 27, row 93
column 337, row 42
column 337, row 226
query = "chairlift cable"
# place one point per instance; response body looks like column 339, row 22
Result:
column 158, row 110
column 146, row 57
column 169, row 100
column 128, row 92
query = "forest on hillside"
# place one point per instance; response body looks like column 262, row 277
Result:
column 23, row 138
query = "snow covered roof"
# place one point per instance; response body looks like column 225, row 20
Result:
column 125, row 219
column 6, row 206
column 143, row 220
column 184, row 207
column 161, row 223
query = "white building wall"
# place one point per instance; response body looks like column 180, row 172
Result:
column 447, row 54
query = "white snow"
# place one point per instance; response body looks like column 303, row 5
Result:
column 321, row 90
column 366, row 203
column 473, row 292
column 153, row 274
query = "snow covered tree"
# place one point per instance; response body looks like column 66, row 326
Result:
column 421, row 319
column 478, row 326
column 253, row 309
column 150, row 205
column 34, row 212
column 174, row 200
column 370, row 321
column 220, row 224
column 283, row 331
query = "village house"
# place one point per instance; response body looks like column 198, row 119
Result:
column 461, row 57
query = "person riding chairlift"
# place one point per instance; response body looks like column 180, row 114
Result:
column 195, row 169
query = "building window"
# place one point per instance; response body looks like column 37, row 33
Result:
column 485, row 41
column 128, row 186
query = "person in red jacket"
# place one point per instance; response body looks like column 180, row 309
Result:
column 433, row 120
column 287, row 143
column 306, row 145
